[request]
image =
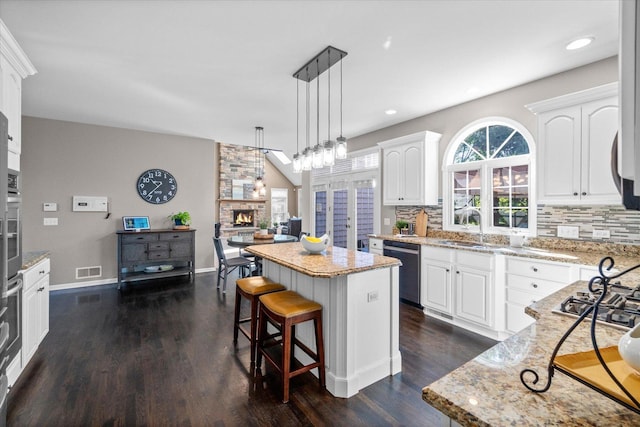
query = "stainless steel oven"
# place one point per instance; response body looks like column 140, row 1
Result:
column 13, row 227
column 14, row 315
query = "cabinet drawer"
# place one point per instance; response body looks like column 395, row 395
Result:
column 436, row 254
column 523, row 298
column 142, row 237
column 35, row 273
column 158, row 246
column 375, row 244
column 517, row 319
column 175, row 236
column 477, row 260
column 158, row 255
column 540, row 287
column 539, row 269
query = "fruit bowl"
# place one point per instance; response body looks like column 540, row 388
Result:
column 315, row 245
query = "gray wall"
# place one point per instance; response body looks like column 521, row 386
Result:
column 62, row 159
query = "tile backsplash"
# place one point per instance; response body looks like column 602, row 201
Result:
column 624, row 225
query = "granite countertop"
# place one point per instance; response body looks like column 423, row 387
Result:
column 487, row 390
column 333, row 262
column 551, row 249
column 29, row 259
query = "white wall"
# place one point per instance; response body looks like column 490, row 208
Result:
column 62, row 159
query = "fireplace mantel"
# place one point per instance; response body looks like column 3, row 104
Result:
column 243, row 200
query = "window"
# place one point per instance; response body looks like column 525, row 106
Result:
column 489, row 166
column 279, row 204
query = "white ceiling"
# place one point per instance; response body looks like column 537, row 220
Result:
column 216, row 69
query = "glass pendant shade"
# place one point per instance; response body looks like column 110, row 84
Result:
column 297, row 163
column 329, row 153
column 307, row 159
column 318, row 157
column 263, row 191
column 341, row 147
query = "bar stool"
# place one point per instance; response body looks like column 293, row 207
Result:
column 285, row 310
column 251, row 288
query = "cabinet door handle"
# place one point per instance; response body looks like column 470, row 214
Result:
column 41, row 272
column 535, row 269
column 575, row 193
column 175, row 236
column 457, row 272
column 139, row 238
column 535, row 285
column 584, row 193
column 41, row 289
column 10, row 138
column 447, row 270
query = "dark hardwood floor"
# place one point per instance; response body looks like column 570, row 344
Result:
column 162, row 354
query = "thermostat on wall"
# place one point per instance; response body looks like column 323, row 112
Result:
column 89, row 204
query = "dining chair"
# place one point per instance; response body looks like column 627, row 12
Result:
column 240, row 251
column 226, row 266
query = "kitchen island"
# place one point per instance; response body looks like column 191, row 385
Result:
column 359, row 295
column 487, row 390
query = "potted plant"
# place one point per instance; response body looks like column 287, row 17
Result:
column 402, row 225
column 263, row 224
column 181, row 220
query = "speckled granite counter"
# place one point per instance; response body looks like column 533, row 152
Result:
column 560, row 250
column 29, row 259
column 335, row 262
column 487, row 390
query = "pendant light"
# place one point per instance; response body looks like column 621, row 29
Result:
column 323, row 153
column 341, row 141
column 329, row 154
column 259, row 187
column 297, row 160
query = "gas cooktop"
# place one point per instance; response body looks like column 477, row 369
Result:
column 620, row 307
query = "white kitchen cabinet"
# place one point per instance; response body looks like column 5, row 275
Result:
column 14, row 66
column 575, row 138
column 474, row 288
column 459, row 285
column 376, row 246
column 530, row 280
column 410, row 169
column 35, row 308
column 436, row 291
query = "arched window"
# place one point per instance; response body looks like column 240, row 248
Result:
column 489, row 168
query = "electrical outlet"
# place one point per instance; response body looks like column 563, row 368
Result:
column 601, row 234
column 372, row 296
column 568, row 232
column 387, row 221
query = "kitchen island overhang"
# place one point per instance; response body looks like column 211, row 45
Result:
column 359, row 294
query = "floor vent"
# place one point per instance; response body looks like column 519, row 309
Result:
column 88, row 272
column 83, row 299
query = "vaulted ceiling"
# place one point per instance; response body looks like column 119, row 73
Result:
column 217, row 69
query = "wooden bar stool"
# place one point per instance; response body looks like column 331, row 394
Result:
column 251, row 288
column 285, row 310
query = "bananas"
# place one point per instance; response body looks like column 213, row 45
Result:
column 313, row 239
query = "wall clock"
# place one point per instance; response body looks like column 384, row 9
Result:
column 157, row 186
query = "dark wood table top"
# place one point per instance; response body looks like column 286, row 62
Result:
column 244, row 241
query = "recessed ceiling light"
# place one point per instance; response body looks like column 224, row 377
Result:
column 282, row 157
column 390, row 112
column 580, row 43
column 387, row 43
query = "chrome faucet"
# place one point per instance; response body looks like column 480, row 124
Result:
column 465, row 210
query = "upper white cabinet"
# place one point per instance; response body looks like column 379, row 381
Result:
column 410, row 169
column 14, row 66
column 575, row 138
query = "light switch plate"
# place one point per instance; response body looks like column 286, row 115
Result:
column 569, row 232
column 50, row 221
column 50, row 207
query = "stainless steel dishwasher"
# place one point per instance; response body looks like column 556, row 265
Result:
column 409, row 254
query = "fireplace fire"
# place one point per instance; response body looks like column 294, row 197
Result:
column 243, row 218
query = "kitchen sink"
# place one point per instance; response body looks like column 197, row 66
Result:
column 503, row 249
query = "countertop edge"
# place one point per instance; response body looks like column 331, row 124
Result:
column 29, row 259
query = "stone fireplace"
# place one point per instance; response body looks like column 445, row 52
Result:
column 243, row 217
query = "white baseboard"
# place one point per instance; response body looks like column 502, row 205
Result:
column 111, row 281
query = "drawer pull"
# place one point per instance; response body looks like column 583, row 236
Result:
column 41, row 289
column 447, row 270
column 535, row 285
column 535, row 269
column 42, row 272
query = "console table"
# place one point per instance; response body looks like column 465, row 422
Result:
column 141, row 253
